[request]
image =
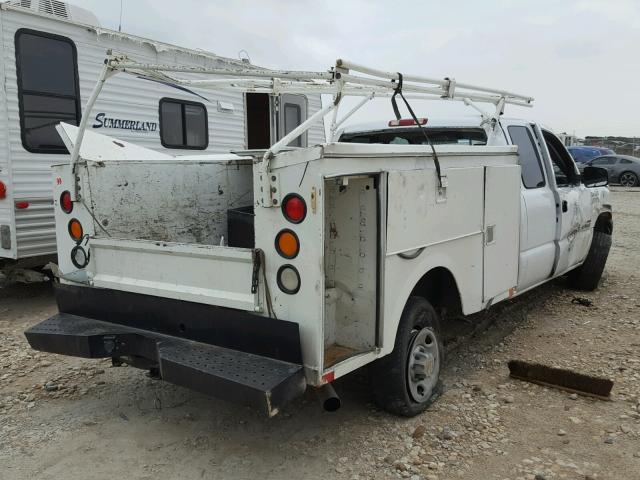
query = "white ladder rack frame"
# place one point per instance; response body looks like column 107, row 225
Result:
column 344, row 79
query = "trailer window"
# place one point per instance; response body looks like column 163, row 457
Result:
column 294, row 112
column 183, row 124
column 292, row 118
column 48, row 91
column 532, row 176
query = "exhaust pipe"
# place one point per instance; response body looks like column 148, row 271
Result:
column 328, row 398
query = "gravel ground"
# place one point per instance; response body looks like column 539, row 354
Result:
column 69, row 418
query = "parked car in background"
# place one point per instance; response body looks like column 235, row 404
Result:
column 623, row 169
column 584, row 154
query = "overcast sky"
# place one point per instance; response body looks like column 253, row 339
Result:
column 580, row 59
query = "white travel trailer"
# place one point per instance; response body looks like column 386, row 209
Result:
column 52, row 55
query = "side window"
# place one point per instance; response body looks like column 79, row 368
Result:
column 183, row 124
column 532, row 176
column 48, row 91
column 625, row 161
column 292, row 118
column 604, row 161
column 293, row 113
column 564, row 169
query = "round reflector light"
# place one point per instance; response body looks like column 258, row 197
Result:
column 75, row 229
column 65, row 202
column 294, row 208
column 79, row 257
column 288, row 279
column 287, row 244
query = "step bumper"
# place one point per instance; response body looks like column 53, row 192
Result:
column 258, row 381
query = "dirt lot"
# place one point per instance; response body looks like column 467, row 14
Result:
column 74, row 419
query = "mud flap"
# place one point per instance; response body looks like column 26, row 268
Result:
column 245, row 378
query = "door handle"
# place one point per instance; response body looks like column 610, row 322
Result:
column 565, row 206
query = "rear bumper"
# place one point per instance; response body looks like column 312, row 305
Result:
column 262, row 380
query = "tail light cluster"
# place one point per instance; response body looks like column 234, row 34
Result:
column 79, row 256
column 287, row 243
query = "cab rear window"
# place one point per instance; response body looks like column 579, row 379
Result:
column 413, row 136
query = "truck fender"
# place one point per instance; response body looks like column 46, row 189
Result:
column 434, row 276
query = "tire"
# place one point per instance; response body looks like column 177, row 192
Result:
column 397, row 378
column 628, row 179
column 587, row 276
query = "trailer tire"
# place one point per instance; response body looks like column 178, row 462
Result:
column 396, row 379
column 587, row 276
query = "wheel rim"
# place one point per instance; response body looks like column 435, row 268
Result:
column 423, row 366
column 627, row 179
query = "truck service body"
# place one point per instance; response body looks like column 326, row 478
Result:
column 354, row 253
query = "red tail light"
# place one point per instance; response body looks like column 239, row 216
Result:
column 65, row 202
column 22, row 205
column 294, row 208
column 3, row 191
column 407, row 122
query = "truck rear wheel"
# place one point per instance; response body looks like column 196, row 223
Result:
column 587, row 276
column 407, row 381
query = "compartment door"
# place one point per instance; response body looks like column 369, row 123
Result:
column 501, row 230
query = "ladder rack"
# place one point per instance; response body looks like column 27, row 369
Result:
column 343, row 79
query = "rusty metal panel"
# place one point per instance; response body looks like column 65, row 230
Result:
column 5, row 237
column 170, row 201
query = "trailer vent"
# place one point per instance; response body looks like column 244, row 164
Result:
column 50, row 7
column 21, row 3
column 59, row 9
column 54, row 7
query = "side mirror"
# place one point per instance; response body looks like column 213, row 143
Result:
column 595, row 177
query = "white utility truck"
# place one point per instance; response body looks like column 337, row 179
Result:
column 52, row 57
column 343, row 254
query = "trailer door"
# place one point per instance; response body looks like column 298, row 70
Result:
column 263, row 120
column 501, row 230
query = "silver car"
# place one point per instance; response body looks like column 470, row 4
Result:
column 623, row 169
